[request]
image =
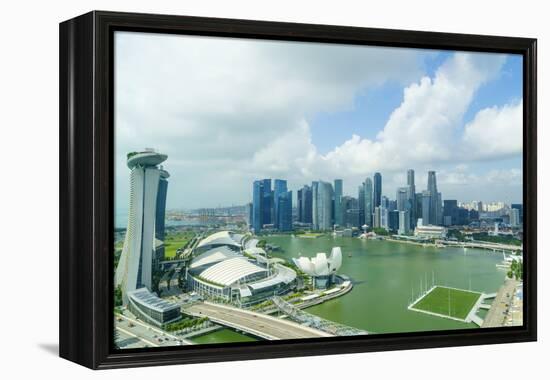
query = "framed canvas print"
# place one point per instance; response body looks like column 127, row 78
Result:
column 237, row 189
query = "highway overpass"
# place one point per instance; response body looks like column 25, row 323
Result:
column 260, row 325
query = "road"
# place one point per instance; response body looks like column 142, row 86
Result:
column 133, row 333
column 260, row 325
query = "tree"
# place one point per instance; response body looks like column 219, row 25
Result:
column 118, row 296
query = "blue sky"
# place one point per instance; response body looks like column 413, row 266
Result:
column 228, row 111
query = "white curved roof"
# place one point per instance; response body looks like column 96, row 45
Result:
column 212, row 256
column 320, row 265
column 221, row 238
column 229, row 271
column 284, row 275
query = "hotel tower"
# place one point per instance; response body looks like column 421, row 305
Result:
column 145, row 230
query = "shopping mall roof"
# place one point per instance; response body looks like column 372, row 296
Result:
column 221, row 238
column 284, row 275
column 213, row 256
column 229, row 271
column 150, row 300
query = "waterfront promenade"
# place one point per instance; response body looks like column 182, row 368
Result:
column 496, row 316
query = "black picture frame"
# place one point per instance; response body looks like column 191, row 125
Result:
column 86, row 188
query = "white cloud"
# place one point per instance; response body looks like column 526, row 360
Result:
column 495, row 132
column 422, row 128
column 227, row 111
column 232, row 105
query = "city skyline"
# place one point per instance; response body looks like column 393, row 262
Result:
column 302, row 119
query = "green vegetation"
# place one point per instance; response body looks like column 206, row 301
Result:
column 293, row 296
column 448, row 302
column 131, row 154
column 516, row 270
column 118, row 296
column 176, row 241
column 262, row 305
column 497, row 239
column 459, row 236
column 185, row 323
column 380, row 231
column 261, row 244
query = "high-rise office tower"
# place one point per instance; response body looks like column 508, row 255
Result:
column 325, row 195
column 412, row 196
column 338, row 211
column 519, row 207
column 284, row 210
column 393, row 220
column 439, row 210
column 377, row 190
column 434, row 209
column 306, row 204
column 148, row 187
column 385, row 202
column 267, row 203
column 257, row 205
column 384, row 218
column 299, row 204
column 279, row 187
column 402, row 197
column 426, row 207
column 404, row 223
column 361, row 204
column 450, row 212
column 514, row 217
column 314, row 205
column 369, row 207
column 376, row 217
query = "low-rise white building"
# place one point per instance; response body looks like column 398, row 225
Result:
column 430, row 232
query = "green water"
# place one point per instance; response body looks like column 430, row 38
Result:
column 223, row 336
column 384, row 273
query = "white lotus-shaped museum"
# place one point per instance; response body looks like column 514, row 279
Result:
column 320, row 265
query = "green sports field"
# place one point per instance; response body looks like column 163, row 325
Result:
column 448, row 302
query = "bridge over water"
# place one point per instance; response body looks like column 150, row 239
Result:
column 315, row 321
column 260, row 325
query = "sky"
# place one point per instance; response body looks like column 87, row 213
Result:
column 228, row 111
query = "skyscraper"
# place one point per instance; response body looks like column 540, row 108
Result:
column 432, row 188
column 284, row 210
column 376, row 217
column 402, row 197
column 412, row 196
column 450, row 212
column 299, row 204
column 257, row 205
column 267, row 203
column 404, row 223
column 519, row 207
column 324, row 205
column 369, row 208
column 338, row 212
column 377, row 190
column 279, row 187
column 426, row 207
column 393, row 220
column 305, row 205
column 514, row 217
column 361, row 204
column 314, row 205
column 147, row 206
